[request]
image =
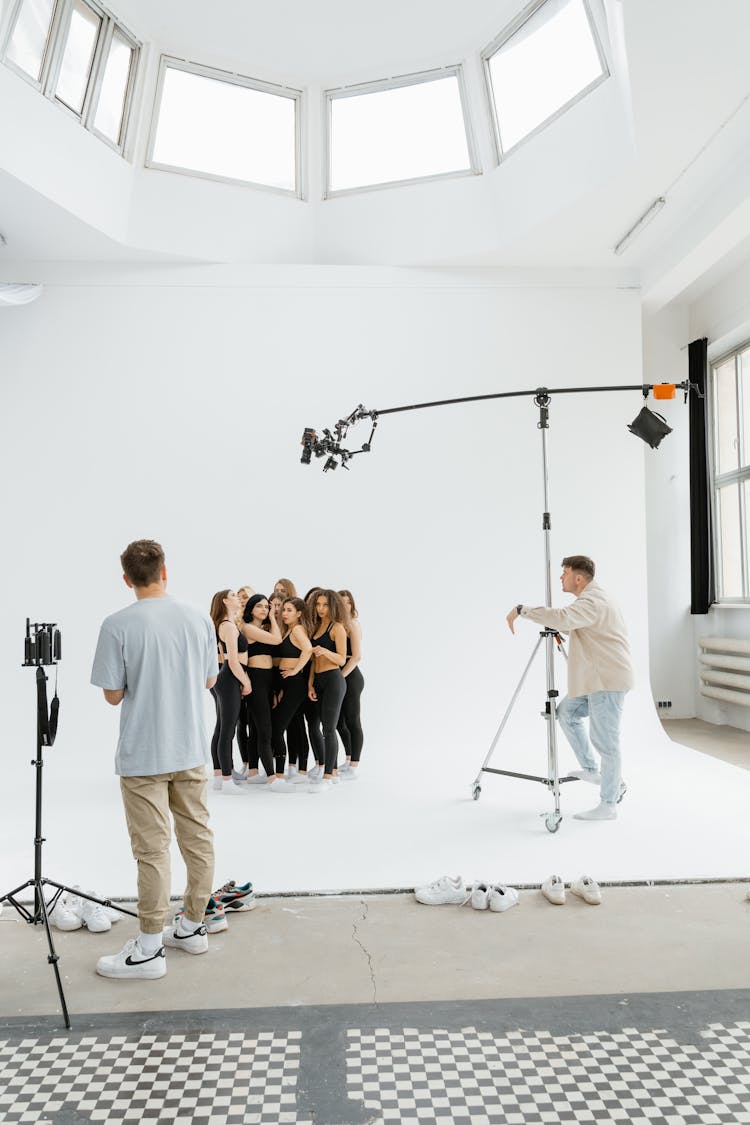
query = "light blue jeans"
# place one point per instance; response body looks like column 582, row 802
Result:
column 604, row 711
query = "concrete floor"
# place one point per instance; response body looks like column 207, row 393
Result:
column 360, row 949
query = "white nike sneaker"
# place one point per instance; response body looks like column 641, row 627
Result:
column 190, row 941
column 501, row 898
column 553, row 890
column 587, row 889
column 131, row 963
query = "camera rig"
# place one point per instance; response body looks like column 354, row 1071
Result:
column 329, row 443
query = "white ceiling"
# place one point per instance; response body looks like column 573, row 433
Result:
column 684, row 71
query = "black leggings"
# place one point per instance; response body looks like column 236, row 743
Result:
column 330, row 688
column 227, row 693
column 295, row 694
column 350, row 723
column 311, row 711
column 260, row 713
column 245, row 733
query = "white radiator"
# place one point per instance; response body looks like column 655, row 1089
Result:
column 725, row 669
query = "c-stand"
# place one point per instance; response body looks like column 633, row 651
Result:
column 43, row 648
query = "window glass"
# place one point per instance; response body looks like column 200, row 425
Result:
column 403, row 133
column 28, row 39
column 542, row 68
column 731, row 555
column 223, row 129
column 745, row 382
column 114, row 87
column 78, row 55
column 727, row 458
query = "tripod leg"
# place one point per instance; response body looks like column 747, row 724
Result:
column 506, row 716
column 53, row 957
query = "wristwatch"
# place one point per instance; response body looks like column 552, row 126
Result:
column 518, row 609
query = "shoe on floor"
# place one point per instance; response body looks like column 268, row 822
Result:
column 257, row 779
column 299, row 779
column 94, row 916
column 592, row 776
column 214, row 919
column 443, row 891
column 350, row 773
column 64, row 915
column 239, row 775
column 553, row 890
column 319, row 785
column 587, row 889
column 131, row 963
column 231, row 788
column 344, row 766
column 315, row 772
column 281, row 786
column 236, row 898
column 189, row 941
column 216, row 783
column 501, row 898
column 601, row 812
column 479, row 893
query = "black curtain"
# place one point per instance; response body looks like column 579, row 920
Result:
column 702, row 583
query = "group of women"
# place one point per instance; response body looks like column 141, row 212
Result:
column 289, row 682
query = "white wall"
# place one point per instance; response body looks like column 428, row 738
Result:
column 171, row 405
column 722, row 314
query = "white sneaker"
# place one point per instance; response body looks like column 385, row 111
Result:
column 93, row 916
column 233, row 788
column 258, row 779
column 349, row 774
column 319, row 785
column 315, row 772
column 216, row 783
column 112, row 913
column 195, row 941
column 592, row 776
column 344, row 766
column 601, row 812
column 501, row 898
column 553, row 890
column 479, row 894
column 291, row 773
column 131, row 963
column 281, row 786
column 240, row 775
column 587, row 889
column 64, row 915
column 447, row 889
column 299, row 779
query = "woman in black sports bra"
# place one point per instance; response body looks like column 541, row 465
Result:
column 350, row 723
column 263, row 639
column 294, row 651
column 232, row 683
column 327, row 686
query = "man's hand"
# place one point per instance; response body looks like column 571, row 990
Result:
column 511, row 618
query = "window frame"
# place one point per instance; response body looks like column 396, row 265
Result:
column 52, row 63
column 232, row 79
column 499, row 41
column 736, row 477
column 398, row 82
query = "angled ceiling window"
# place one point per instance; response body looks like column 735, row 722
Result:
column 226, row 127
column 399, row 130
column 76, row 54
column 28, row 35
column 540, row 65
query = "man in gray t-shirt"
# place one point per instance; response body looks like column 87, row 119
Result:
column 156, row 658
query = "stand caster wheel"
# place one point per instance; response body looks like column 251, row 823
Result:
column 552, row 821
column 476, row 789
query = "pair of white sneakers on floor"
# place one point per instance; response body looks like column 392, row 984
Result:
column 586, row 888
column 74, row 912
column 136, row 962
column 451, row 890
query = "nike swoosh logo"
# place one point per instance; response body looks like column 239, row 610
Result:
column 159, row 953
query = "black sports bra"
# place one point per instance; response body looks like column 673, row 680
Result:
column 261, row 648
column 288, row 648
column 326, row 640
column 241, row 643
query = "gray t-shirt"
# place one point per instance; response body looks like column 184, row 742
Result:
column 161, row 652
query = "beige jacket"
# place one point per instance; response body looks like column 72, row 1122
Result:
column 598, row 652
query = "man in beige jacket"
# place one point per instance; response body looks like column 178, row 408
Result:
column 599, row 675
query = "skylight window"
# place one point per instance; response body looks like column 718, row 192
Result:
column 76, row 53
column 226, row 127
column 397, row 131
column 540, row 65
column 28, row 38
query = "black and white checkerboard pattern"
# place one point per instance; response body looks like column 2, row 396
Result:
column 535, row 1078
column 199, row 1079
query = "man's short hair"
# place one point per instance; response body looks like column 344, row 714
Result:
column 142, row 561
column 580, row 563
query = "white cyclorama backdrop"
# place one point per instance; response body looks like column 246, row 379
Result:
column 175, row 412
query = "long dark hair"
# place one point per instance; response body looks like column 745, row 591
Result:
column 336, row 609
column 218, row 611
column 247, row 613
column 301, row 608
column 348, row 594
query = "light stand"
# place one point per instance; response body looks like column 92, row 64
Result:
column 44, row 648
column 649, row 427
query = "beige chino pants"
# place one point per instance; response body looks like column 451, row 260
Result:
column 148, row 802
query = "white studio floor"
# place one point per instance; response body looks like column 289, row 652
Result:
column 685, row 817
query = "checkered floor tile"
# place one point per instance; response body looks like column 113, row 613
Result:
column 535, row 1078
column 199, row 1079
